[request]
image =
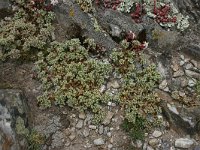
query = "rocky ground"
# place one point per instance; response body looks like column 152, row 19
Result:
column 176, row 55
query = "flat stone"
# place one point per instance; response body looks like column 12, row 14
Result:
column 82, row 115
column 115, row 30
column 113, row 84
column 175, row 67
column 173, row 109
column 194, row 62
column 192, row 74
column 109, row 134
column 86, row 132
column 184, row 143
column 153, row 142
column 163, row 85
column 79, row 125
column 188, row 66
column 99, row 141
column 110, row 146
column 101, row 129
column 191, row 83
column 108, row 118
column 182, row 63
column 163, row 95
column 182, row 94
column 13, row 119
column 156, row 134
column 93, row 127
column 72, row 136
column 197, row 147
column 139, row 143
column 178, row 73
column 149, row 148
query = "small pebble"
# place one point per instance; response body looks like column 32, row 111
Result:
column 98, row 141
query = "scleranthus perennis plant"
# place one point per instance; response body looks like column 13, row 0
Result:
column 138, row 80
column 27, row 32
column 70, row 77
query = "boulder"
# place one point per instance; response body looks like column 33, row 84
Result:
column 182, row 119
column 5, row 8
column 13, row 120
column 72, row 22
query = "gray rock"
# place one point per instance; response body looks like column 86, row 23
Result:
column 51, row 123
column 81, row 24
column 5, row 8
column 93, row 127
column 99, row 141
column 156, row 133
column 108, row 118
column 13, row 119
column 191, row 83
column 182, row 62
column 109, row 134
column 192, row 74
column 149, row 148
column 113, row 84
column 110, row 146
column 188, row 66
column 86, row 132
column 153, row 142
column 79, row 125
column 82, row 115
column 115, row 30
column 109, row 16
column 72, row 136
column 57, row 139
column 197, row 147
column 163, row 85
column 184, row 143
column 101, row 129
column 182, row 119
column 178, row 73
column 106, row 130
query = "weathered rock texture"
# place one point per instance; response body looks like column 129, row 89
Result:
column 13, row 120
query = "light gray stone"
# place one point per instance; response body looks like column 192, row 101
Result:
column 163, row 85
column 191, row 83
column 72, row 136
column 178, row 73
column 184, row 143
column 82, row 115
column 93, row 127
column 101, row 129
column 86, row 132
column 99, row 141
column 79, row 125
column 153, row 142
column 115, row 30
column 108, row 118
column 192, row 74
column 156, row 133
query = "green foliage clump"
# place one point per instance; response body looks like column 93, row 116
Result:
column 198, row 89
column 27, row 32
column 135, row 130
column 86, row 5
column 35, row 140
column 69, row 76
column 138, row 81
